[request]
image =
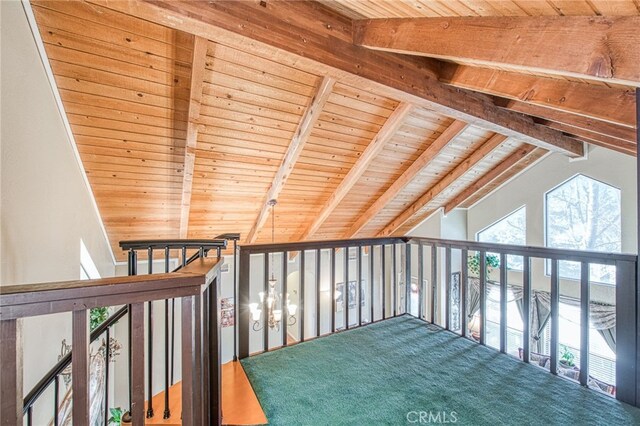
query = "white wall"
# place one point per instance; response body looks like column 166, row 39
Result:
column 529, row 189
column 310, row 314
column 46, row 208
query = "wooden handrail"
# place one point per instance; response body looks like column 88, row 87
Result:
column 29, row 300
column 531, row 251
column 197, row 286
column 436, row 258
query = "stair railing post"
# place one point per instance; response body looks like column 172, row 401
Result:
column 136, row 312
column 627, row 386
column 11, row 377
column 214, row 390
column 149, row 413
column 242, row 305
column 190, row 381
column 80, row 366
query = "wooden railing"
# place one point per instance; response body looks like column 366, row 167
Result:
column 430, row 279
column 197, row 287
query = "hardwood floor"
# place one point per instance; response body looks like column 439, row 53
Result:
column 240, row 405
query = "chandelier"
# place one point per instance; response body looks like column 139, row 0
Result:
column 270, row 301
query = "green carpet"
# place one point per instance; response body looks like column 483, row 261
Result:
column 384, row 372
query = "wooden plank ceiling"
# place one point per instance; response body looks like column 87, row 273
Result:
column 185, row 136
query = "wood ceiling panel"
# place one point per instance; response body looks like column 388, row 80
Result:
column 127, row 91
column 447, row 159
column 397, row 155
column 125, row 88
column 358, row 9
column 90, row 27
column 350, row 120
column 247, row 120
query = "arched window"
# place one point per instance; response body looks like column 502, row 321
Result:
column 511, row 229
column 584, row 214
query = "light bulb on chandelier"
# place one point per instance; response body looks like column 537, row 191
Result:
column 271, row 300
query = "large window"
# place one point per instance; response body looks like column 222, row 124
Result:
column 584, row 214
column 511, row 229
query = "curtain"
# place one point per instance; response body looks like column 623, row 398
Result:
column 602, row 316
column 541, row 312
column 473, row 298
column 609, row 336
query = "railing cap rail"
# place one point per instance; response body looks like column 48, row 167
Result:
column 172, row 244
column 531, row 251
column 321, row 244
column 27, row 300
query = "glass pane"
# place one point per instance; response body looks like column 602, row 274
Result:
column 473, row 295
column 455, row 305
column 512, row 229
column 584, row 214
column 515, row 324
column 569, row 324
column 602, row 336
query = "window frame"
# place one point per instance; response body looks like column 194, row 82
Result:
column 522, row 207
column 547, row 263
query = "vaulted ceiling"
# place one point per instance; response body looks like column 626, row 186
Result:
column 190, row 116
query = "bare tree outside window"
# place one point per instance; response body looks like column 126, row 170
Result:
column 584, row 214
column 511, row 229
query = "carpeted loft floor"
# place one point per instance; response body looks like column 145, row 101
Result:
column 394, row 371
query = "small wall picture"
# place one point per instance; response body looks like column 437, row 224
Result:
column 455, row 301
column 224, row 267
column 352, row 294
column 227, row 309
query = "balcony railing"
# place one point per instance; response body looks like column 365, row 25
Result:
column 338, row 285
column 195, row 284
column 310, row 289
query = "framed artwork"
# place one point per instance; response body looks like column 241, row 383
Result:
column 224, row 267
column 352, row 294
column 227, row 310
column 454, row 320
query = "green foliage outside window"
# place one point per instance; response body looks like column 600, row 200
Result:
column 492, row 261
column 97, row 317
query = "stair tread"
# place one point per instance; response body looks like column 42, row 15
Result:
column 240, row 406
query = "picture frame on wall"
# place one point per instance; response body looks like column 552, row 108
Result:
column 352, row 294
column 454, row 319
column 227, row 310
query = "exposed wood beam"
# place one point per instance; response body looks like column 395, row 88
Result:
column 488, row 177
column 611, row 104
column 449, row 134
column 322, row 40
column 386, row 132
column 294, row 150
column 505, row 177
column 195, row 96
column 462, row 168
column 593, row 138
column 590, row 47
column 602, row 127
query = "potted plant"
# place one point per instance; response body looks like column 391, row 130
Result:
column 491, row 260
column 567, row 358
column 116, row 416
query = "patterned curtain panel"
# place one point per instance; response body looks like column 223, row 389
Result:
column 602, row 316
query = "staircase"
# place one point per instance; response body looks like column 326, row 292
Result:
column 240, row 405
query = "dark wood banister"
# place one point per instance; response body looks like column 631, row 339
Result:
column 192, row 284
column 627, row 292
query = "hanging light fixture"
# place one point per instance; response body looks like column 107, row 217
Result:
column 272, row 298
